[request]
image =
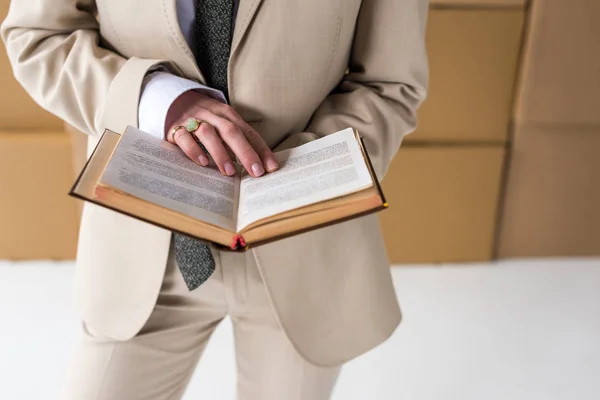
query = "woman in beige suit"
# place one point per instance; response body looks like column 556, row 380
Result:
column 251, row 75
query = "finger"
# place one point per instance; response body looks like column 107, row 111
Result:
column 260, row 146
column 230, row 152
column 207, row 135
column 252, row 136
column 186, row 142
column 237, row 142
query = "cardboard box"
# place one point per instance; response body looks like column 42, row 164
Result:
column 552, row 204
column 473, row 58
column 560, row 77
column 443, row 203
column 38, row 220
column 478, row 3
column 17, row 109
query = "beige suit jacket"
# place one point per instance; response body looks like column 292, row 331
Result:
column 84, row 60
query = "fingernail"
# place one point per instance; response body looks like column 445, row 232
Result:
column 229, row 169
column 258, row 169
column 271, row 165
column 203, row 160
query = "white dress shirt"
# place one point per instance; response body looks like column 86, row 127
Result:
column 161, row 89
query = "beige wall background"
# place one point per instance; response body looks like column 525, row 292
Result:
column 503, row 164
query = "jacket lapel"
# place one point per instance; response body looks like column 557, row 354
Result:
column 246, row 11
column 183, row 58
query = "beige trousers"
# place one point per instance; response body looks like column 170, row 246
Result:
column 159, row 361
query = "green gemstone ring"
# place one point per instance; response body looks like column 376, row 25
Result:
column 192, row 125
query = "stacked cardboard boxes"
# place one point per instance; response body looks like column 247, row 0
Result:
column 552, row 205
column 37, row 218
column 444, row 185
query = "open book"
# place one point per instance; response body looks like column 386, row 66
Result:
column 322, row 182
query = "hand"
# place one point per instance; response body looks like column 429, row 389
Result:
column 222, row 127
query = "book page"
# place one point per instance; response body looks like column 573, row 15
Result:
column 159, row 172
column 323, row 169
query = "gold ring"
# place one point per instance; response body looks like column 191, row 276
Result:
column 192, row 124
column 174, row 131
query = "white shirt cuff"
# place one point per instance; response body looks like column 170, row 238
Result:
column 159, row 90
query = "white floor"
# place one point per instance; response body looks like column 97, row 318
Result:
column 512, row 330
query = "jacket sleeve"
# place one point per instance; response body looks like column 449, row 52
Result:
column 55, row 51
column 387, row 79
